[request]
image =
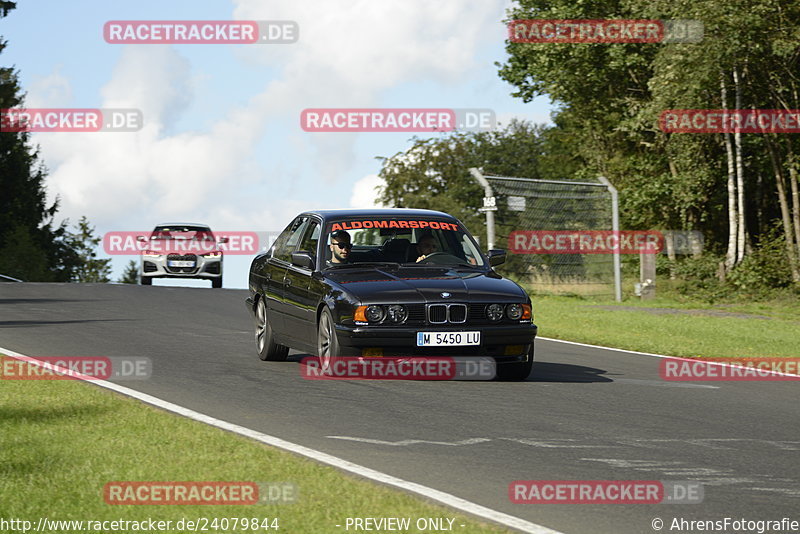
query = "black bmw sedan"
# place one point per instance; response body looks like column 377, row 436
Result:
column 385, row 283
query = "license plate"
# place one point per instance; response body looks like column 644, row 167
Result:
column 448, row 339
column 180, row 263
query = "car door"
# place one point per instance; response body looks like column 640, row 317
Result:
column 275, row 274
column 301, row 305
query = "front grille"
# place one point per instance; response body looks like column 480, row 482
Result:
column 447, row 313
column 437, row 313
column 458, row 313
column 179, row 257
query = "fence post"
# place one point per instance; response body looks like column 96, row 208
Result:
column 487, row 189
column 615, row 228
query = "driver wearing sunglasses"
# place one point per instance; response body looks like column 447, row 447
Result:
column 340, row 247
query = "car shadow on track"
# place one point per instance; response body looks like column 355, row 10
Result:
column 562, row 372
column 542, row 371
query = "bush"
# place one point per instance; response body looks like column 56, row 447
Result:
column 763, row 270
column 698, row 277
column 761, row 275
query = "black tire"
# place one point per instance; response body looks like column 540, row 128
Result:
column 267, row 349
column 516, row 372
column 216, row 283
column 328, row 348
column 147, row 280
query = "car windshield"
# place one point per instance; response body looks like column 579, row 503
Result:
column 407, row 241
column 197, row 233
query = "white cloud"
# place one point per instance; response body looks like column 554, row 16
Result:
column 152, row 78
column 50, row 91
column 351, row 53
column 366, row 191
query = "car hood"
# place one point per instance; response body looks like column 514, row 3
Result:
column 425, row 284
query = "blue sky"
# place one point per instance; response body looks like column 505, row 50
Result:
column 221, row 142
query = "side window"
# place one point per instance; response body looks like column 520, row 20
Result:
column 288, row 240
column 311, row 238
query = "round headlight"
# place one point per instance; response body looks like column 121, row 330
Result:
column 514, row 311
column 397, row 313
column 374, row 314
column 494, row 312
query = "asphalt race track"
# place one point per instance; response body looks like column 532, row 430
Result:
column 585, row 413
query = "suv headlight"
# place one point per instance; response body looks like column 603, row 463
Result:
column 214, row 254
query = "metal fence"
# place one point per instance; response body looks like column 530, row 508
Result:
column 519, row 208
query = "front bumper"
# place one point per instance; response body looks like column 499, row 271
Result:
column 505, row 343
column 204, row 268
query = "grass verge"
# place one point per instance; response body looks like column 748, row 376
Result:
column 62, row 441
column 669, row 326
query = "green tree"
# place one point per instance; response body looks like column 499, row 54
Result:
column 131, row 274
column 31, row 247
column 434, row 173
column 610, row 97
column 84, row 243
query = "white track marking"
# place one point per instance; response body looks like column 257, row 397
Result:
column 648, row 354
column 557, row 443
column 447, row 499
column 658, row 355
column 405, row 442
column 707, row 476
column 661, row 383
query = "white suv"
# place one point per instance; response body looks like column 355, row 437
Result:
column 181, row 250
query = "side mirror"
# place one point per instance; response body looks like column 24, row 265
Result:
column 222, row 240
column 303, row 258
column 141, row 238
column 497, row 256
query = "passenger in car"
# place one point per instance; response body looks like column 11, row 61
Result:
column 426, row 245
